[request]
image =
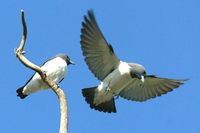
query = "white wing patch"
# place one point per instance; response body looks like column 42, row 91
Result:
column 124, row 68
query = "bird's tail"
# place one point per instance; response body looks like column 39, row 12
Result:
column 20, row 93
column 107, row 106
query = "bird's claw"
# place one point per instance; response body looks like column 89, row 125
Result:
column 44, row 74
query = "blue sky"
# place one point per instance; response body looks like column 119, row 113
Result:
column 161, row 35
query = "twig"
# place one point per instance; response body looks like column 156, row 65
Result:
column 59, row 92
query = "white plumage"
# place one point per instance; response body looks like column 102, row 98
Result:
column 55, row 70
column 113, row 83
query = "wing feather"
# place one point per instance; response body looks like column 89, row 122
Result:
column 151, row 88
column 99, row 55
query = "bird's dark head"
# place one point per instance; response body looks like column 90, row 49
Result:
column 66, row 58
column 137, row 71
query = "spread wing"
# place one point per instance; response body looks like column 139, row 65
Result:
column 99, row 55
column 152, row 87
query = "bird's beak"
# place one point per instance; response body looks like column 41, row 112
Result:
column 142, row 78
column 71, row 62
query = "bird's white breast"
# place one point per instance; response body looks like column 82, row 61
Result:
column 114, row 82
column 55, row 70
column 117, row 77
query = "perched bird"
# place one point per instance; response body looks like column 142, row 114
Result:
column 55, row 69
column 118, row 78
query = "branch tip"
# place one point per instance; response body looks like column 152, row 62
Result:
column 23, row 40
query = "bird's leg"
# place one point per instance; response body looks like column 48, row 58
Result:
column 107, row 87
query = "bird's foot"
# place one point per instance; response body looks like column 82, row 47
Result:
column 44, row 74
column 108, row 88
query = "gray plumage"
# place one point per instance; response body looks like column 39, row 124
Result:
column 99, row 55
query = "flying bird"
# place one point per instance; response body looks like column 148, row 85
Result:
column 55, row 69
column 118, row 78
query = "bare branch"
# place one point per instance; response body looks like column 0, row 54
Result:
column 59, row 92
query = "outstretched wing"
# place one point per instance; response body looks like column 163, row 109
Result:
column 99, row 55
column 152, row 87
